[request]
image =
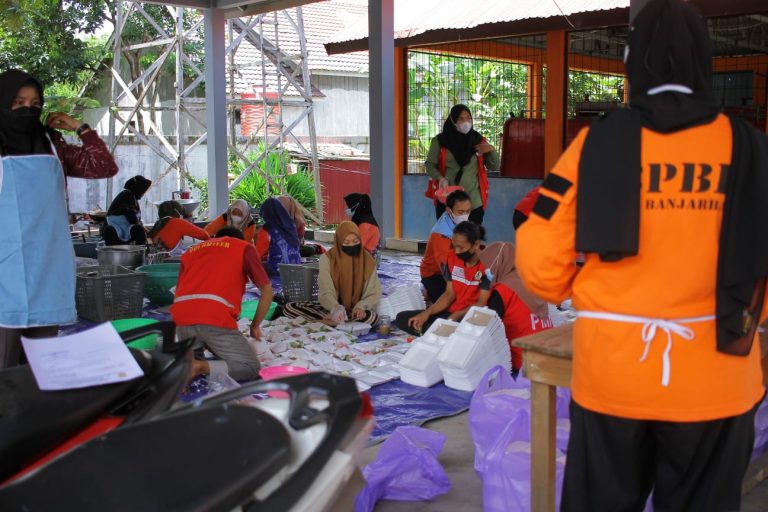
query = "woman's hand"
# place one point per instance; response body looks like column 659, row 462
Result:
column 358, row 314
column 418, row 321
column 338, row 314
column 59, row 121
column 443, row 183
column 483, row 148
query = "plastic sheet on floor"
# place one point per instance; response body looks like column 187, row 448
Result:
column 396, row 404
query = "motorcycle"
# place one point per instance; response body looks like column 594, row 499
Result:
column 123, row 447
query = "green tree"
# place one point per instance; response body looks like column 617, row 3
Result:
column 41, row 37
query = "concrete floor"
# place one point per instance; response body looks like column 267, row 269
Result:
column 466, row 494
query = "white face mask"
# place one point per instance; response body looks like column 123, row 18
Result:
column 464, row 127
column 458, row 219
column 349, row 212
column 237, row 219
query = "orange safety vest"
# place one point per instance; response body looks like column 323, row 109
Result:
column 518, row 320
column 211, row 284
column 644, row 344
column 482, row 177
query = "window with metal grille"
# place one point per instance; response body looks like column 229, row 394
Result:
column 495, row 79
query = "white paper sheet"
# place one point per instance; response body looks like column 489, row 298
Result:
column 89, row 358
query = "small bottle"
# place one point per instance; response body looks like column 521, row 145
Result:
column 384, row 321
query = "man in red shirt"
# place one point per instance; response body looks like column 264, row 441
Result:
column 209, row 293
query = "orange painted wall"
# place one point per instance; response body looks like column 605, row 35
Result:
column 401, row 133
column 556, row 87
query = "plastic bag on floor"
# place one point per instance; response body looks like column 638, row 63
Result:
column 406, row 469
column 507, row 475
column 499, row 403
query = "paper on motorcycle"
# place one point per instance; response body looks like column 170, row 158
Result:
column 89, row 358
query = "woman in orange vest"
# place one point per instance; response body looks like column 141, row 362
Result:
column 171, row 227
column 360, row 211
column 459, row 155
column 467, row 285
column 208, row 298
column 667, row 200
column 521, row 311
column 238, row 216
column 457, row 208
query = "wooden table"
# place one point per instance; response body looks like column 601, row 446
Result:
column 547, row 362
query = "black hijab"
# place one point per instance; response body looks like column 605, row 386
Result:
column 21, row 132
column 669, row 44
column 127, row 201
column 461, row 146
column 363, row 210
column 138, row 185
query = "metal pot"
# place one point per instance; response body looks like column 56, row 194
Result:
column 130, row 256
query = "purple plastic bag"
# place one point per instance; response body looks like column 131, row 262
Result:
column 406, row 469
column 499, row 403
column 507, row 475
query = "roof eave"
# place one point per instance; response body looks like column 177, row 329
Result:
column 581, row 21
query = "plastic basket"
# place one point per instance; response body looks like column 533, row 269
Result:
column 161, row 277
column 248, row 309
column 148, row 342
column 108, row 292
column 299, row 281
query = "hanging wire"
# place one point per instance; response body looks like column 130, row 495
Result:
column 564, row 15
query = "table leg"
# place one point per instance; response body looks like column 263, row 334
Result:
column 543, row 426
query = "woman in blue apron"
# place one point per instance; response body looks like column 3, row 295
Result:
column 124, row 214
column 37, row 261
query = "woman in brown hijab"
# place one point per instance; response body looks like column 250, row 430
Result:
column 349, row 285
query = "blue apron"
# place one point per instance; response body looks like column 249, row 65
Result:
column 37, row 259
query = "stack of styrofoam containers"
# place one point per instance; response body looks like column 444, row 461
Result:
column 401, row 298
column 478, row 344
column 419, row 365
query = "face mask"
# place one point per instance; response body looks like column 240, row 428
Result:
column 464, row 127
column 351, row 250
column 237, row 219
column 464, row 256
column 488, row 272
column 26, row 118
column 458, row 219
column 349, row 212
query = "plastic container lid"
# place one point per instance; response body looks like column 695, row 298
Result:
column 248, row 309
column 148, row 342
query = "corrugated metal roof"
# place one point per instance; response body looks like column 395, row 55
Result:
column 414, row 18
column 321, row 21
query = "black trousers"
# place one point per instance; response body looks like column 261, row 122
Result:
column 475, row 215
column 138, row 236
column 614, row 463
column 401, row 321
column 435, row 286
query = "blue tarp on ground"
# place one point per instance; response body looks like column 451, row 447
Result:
column 396, row 403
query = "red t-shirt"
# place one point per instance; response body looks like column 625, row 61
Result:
column 467, row 282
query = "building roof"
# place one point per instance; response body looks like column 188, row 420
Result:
column 448, row 21
column 321, row 21
column 416, row 18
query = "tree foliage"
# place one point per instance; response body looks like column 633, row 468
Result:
column 41, row 37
